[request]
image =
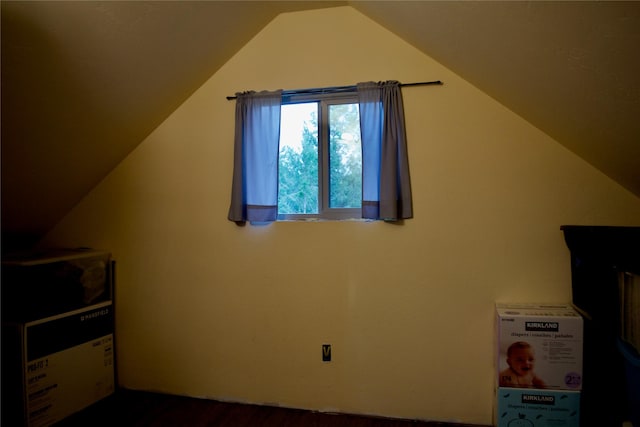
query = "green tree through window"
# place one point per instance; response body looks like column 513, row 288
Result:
column 298, row 173
column 320, row 164
column 345, row 157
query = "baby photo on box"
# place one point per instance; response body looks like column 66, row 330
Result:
column 521, row 360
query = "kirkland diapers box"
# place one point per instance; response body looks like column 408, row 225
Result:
column 518, row 407
column 539, row 346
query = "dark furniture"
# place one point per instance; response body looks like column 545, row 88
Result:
column 599, row 254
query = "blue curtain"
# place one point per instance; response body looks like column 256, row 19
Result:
column 386, row 188
column 254, row 194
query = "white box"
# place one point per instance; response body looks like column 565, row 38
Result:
column 65, row 363
column 517, row 407
column 539, row 346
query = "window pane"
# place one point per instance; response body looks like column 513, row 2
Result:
column 298, row 163
column 345, row 156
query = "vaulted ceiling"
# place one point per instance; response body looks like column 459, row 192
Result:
column 83, row 83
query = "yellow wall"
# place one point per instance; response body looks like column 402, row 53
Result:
column 207, row 308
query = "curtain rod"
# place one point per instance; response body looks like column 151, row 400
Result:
column 337, row 89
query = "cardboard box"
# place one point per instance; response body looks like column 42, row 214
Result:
column 39, row 285
column 57, row 334
column 537, row 408
column 539, row 346
column 65, row 363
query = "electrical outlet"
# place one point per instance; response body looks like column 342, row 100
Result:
column 326, row 352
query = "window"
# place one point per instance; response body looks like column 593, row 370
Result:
column 320, row 158
column 321, row 171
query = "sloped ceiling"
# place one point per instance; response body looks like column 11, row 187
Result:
column 84, row 82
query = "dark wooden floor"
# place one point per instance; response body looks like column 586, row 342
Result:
column 133, row 408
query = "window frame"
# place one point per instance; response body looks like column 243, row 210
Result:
column 324, row 100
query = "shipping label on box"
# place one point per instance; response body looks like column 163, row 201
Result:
column 539, row 346
column 537, row 408
column 68, row 363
